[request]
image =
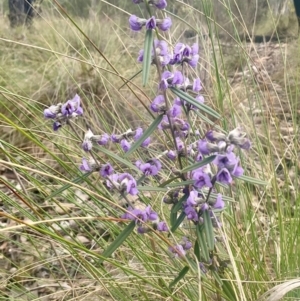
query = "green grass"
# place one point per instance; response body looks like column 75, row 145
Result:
column 55, row 224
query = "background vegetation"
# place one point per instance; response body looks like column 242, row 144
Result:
column 53, row 227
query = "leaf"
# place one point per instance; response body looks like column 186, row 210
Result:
column 146, row 134
column 191, row 100
column 178, row 206
column 178, row 221
column 168, row 181
column 209, row 230
column 67, row 186
column 199, row 164
column 180, row 276
column 202, row 243
column 147, row 57
column 179, row 184
column 118, row 241
column 118, row 158
column 151, row 188
column 253, row 180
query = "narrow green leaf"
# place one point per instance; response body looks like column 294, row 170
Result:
column 202, row 243
column 199, row 164
column 67, row 186
column 228, row 290
column 173, row 217
column 168, row 181
column 252, row 180
column 197, row 250
column 179, row 184
column 209, row 230
column 151, row 188
column 178, row 221
column 119, row 240
column 180, row 276
column 191, row 100
column 146, row 134
column 147, row 58
column 118, row 158
column 178, row 206
column 218, row 279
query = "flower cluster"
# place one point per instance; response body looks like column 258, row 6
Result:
column 61, row 113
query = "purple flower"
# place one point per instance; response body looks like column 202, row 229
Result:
column 186, row 244
column 160, row 4
column 148, row 169
column 56, row 125
column 138, row 134
column 219, row 204
column 151, row 215
column 177, row 78
column 162, row 227
column 171, row 155
column 161, row 47
column 206, row 148
column 191, row 213
column 175, row 111
column 142, row 230
column 201, row 179
column 238, row 137
column 85, row 165
column 214, row 136
column 136, row 23
column 128, row 183
column 200, row 98
column 125, row 145
column 151, row 23
column 106, row 170
column 52, row 111
column 228, row 161
column 101, row 139
column 165, row 77
column 116, row 138
column 146, row 142
column 136, row 215
column 72, row 107
column 177, row 251
column 165, row 24
column 192, row 199
column 158, row 104
column 87, row 145
column 197, row 85
column 179, row 144
column 223, row 176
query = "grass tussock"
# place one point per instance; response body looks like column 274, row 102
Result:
column 56, row 223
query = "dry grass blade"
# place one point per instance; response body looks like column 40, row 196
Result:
column 279, row 291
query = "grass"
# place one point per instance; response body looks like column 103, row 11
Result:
column 55, row 224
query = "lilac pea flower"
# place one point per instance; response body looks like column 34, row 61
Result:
column 179, row 144
column 177, row 251
column 136, row 23
column 179, row 48
column 101, row 139
column 151, row 215
column 165, row 24
column 52, row 111
column 125, row 145
column 178, row 78
column 141, row 56
column 205, row 148
column 199, row 157
column 228, row 161
column 193, row 61
column 174, row 111
column 164, row 124
column 192, row 199
column 161, row 47
column 200, row 98
column 195, row 49
column 138, row 134
column 191, row 213
column 72, row 107
column 143, row 230
column 214, row 136
column 115, row 138
column 219, row 204
column 165, row 77
column 128, row 183
column 204, row 207
column 56, row 125
column 223, row 176
column 237, row 170
column 158, row 104
column 112, row 181
column 156, row 163
column 106, row 170
column 85, row 165
column 187, row 51
column 201, row 179
column 171, row 155
column 146, row 142
column 160, row 4
column 148, row 170
column 186, row 244
column 151, row 23
column 197, row 85
column 162, row 227
column 87, row 144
